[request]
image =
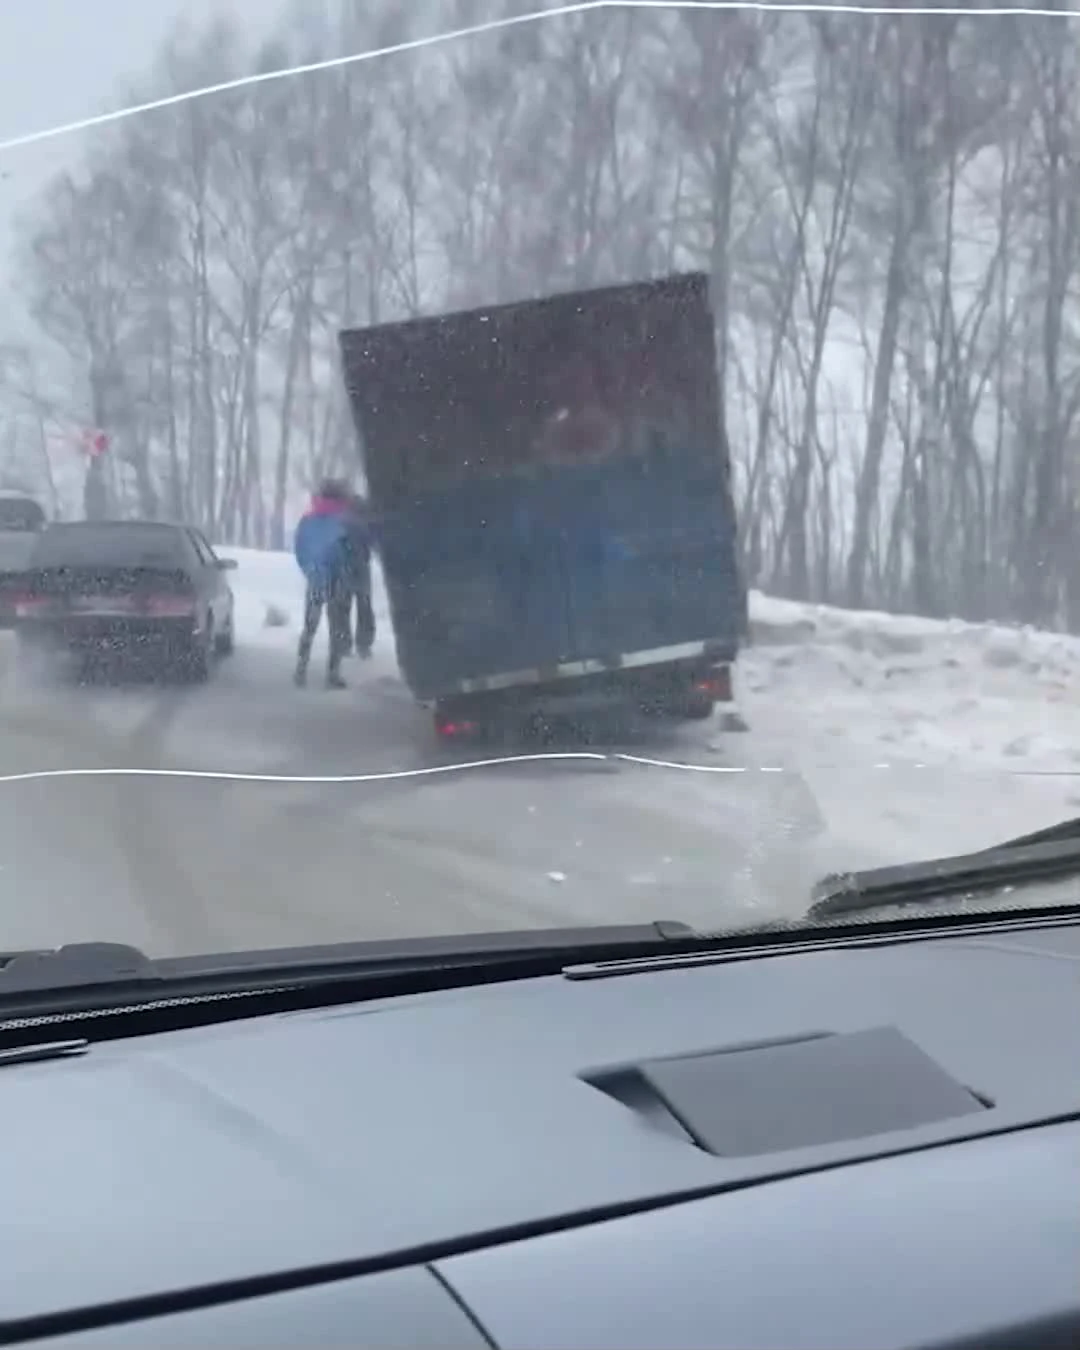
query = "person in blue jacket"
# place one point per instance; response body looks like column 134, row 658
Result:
column 321, row 545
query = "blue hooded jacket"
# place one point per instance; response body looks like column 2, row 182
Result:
column 321, row 543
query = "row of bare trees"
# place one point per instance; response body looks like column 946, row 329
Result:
column 889, row 206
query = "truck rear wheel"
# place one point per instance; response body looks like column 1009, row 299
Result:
column 696, row 707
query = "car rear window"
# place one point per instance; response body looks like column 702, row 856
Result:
column 16, row 547
column 109, row 546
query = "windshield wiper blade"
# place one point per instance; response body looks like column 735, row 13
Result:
column 1023, row 861
column 78, row 963
column 438, row 951
column 119, row 971
column 1061, row 833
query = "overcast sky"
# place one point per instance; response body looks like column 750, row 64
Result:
column 62, row 60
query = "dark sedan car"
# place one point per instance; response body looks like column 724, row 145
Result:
column 127, row 589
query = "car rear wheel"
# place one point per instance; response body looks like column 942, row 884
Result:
column 198, row 657
column 225, row 641
column 32, row 660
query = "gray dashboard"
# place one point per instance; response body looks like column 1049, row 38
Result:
column 526, row 1164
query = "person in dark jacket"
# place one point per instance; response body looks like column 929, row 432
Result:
column 322, row 549
column 361, row 540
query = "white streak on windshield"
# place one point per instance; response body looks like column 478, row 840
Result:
column 492, row 26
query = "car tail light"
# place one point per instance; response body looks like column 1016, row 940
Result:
column 31, row 606
column 170, row 606
column 717, row 684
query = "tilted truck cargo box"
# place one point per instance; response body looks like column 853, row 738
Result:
column 553, row 483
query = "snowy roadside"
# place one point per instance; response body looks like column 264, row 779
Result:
column 915, row 737
column 894, row 688
column 907, row 735
column 842, row 687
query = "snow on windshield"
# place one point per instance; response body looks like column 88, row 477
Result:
column 760, row 511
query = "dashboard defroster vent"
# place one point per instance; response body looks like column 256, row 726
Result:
column 812, row 1090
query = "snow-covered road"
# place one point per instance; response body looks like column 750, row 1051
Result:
column 873, row 739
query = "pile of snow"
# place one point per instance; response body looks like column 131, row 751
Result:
column 939, row 691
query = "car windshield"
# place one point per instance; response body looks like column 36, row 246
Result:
column 646, row 439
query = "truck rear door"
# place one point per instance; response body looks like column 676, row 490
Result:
column 649, row 561
column 476, row 586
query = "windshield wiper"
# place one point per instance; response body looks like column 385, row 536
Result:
column 102, row 974
column 1061, row 833
column 1045, row 855
column 79, row 963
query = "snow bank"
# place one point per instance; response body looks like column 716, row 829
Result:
column 923, row 689
column 776, row 622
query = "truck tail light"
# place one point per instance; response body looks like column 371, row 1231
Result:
column 717, row 684
column 455, row 728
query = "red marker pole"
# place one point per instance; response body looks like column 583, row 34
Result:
column 95, row 443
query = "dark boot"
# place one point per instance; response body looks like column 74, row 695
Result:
column 334, row 680
column 303, row 653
